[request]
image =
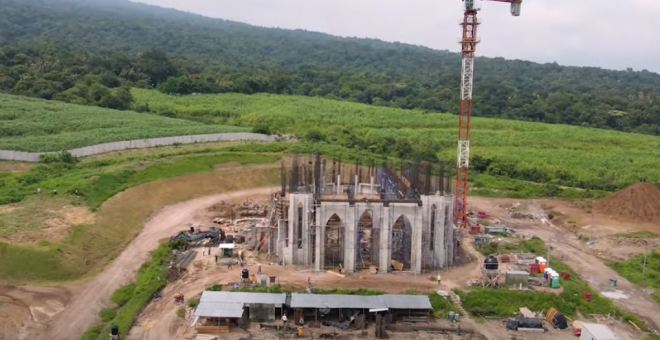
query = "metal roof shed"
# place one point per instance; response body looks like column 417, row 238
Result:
column 407, row 302
column 336, row 301
column 261, row 306
column 208, row 309
column 246, row 298
column 595, row 331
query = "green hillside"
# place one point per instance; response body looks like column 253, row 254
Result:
column 545, row 153
column 218, row 56
column 28, row 124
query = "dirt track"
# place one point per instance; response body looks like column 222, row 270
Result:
column 88, row 298
column 578, row 256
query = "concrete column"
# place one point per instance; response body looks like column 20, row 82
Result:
column 385, row 240
column 371, row 186
column 338, row 191
column 320, row 234
column 416, row 251
column 322, row 179
column 357, row 184
column 350, row 232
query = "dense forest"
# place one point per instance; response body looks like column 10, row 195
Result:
column 95, row 48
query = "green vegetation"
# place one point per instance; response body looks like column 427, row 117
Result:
column 632, row 270
column 134, row 297
column 97, row 181
column 192, row 303
column 107, row 314
column 639, row 234
column 83, row 250
column 214, row 288
column 212, row 55
column 36, row 125
column 552, row 155
column 503, row 303
column 441, row 305
column 534, row 245
column 500, row 302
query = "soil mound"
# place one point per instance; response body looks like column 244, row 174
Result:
column 639, row 202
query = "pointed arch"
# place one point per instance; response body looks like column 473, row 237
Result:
column 334, row 242
column 367, row 240
column 402, row 241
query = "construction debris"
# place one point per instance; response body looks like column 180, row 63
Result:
column 528, row 210
column 639, row 202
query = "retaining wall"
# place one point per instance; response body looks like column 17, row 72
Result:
column 139, row 144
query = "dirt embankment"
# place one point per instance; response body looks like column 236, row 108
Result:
column 639, row 202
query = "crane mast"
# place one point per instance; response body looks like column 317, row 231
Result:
column 469, row 43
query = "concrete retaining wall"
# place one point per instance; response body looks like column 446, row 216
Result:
column 139, row 144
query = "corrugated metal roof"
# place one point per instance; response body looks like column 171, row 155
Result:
column 219, row 309
column 265, row 298
column 359, row 302
column 517, row 272
column 335, row 301
column 407, row 301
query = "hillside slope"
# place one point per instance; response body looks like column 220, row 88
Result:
column 363, row 70
column 543, row 153
column 28, row 124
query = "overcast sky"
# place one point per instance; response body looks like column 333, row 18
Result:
column 606, row 33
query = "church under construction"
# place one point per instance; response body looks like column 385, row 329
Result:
column 328, row 213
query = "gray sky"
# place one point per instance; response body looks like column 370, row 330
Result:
column 606, row 33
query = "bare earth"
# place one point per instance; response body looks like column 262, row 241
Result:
column 63, row 313
column 585, row 260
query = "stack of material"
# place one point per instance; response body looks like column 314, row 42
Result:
column 636, row 242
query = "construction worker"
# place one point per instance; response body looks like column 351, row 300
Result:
column 216, row 259
column 439, row 278
column 177, row 298
column 340, row 268
column 229, row 265
column 259, row 269
column 284, row 318
column 309, row 281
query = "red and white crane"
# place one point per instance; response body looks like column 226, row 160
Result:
column 468, row 46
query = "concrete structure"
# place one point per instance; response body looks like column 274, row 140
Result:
column 358, row 224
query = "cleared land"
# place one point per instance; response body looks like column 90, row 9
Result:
column 557, row 154
column 58, row 238
column 28, row 124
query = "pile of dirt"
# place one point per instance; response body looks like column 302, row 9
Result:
column 639, row 202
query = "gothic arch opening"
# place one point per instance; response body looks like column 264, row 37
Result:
column 402, row 241
column 368, row 237
column 334, row 242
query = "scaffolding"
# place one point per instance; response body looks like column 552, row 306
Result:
column 334, row 242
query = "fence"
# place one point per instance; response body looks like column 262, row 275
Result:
column 139, row 144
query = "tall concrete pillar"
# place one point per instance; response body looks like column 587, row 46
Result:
column 338, row 191
column 416, row 249
column 350, row 233
column 371, row 186
column 320, row 239
column 322, row 179
column 385, row 241
column 357, row 185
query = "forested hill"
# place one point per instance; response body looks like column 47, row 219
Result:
column 235, row 57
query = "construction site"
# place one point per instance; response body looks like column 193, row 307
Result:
column 328, row 215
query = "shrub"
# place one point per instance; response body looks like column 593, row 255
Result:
column 192, row 303
column 214, row 288
column 122, row 295
column 107, row 314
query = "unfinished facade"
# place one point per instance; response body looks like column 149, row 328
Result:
column 363, row 216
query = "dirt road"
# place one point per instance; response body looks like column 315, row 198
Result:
column 89, row 297
column 576, row 254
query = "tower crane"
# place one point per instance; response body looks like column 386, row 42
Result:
column 469, row 43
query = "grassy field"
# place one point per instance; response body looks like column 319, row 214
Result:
column 632, row 270
column 556, row 154
column 28, row 124
column 83, row 249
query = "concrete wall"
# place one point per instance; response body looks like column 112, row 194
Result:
column 139, row 144
column 295, row 252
